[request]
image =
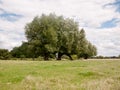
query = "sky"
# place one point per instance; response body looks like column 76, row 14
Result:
column 99, row 18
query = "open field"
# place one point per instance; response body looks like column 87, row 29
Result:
column 60, row 75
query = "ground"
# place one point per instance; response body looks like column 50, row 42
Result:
column 60, row 75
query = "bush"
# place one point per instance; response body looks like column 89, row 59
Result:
column 4, row 54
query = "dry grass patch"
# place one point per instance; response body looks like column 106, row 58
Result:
column 40, row 83
column 102, row 84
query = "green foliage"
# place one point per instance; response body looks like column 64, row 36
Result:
column 4, row 54
column 15, row 52
column 48, row 35
column 85, row 48
column 41, row 35
column 23, row 51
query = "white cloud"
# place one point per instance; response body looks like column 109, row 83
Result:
column 90, row 14
column 9, row 40
column 106, row 40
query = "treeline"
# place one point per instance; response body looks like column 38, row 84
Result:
column 4, row 54
column 106, row 57
column 51, row 36
column 7, row 55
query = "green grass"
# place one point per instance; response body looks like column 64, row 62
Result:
column 60, row 75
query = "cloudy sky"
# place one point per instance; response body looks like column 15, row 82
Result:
column 99, row 18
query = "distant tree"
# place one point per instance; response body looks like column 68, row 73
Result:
column 15, row 52
column 21, row 51
column 4, row 54
column 101, row 57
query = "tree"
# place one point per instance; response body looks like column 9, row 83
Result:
column 22, row 51
column 15, row 52
column 4, row 54
column 41, row 35
column 51, row 34
column 68, row 29
column 85, row 48
column 91, row 51
column 82, row 44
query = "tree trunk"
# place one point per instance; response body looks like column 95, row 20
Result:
column 85, row 56
column 59, row 56
column 69, row 56
column 46, row 57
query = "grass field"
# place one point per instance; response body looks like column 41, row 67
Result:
column 60, row 75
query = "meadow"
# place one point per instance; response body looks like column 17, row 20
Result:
column 60, row 75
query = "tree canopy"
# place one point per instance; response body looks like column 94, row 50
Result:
column 50, row 35
column 56, row 34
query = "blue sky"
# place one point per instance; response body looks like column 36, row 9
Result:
column 99, row 18
column 9, row 16
column 117, row 4
column 110, row 23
